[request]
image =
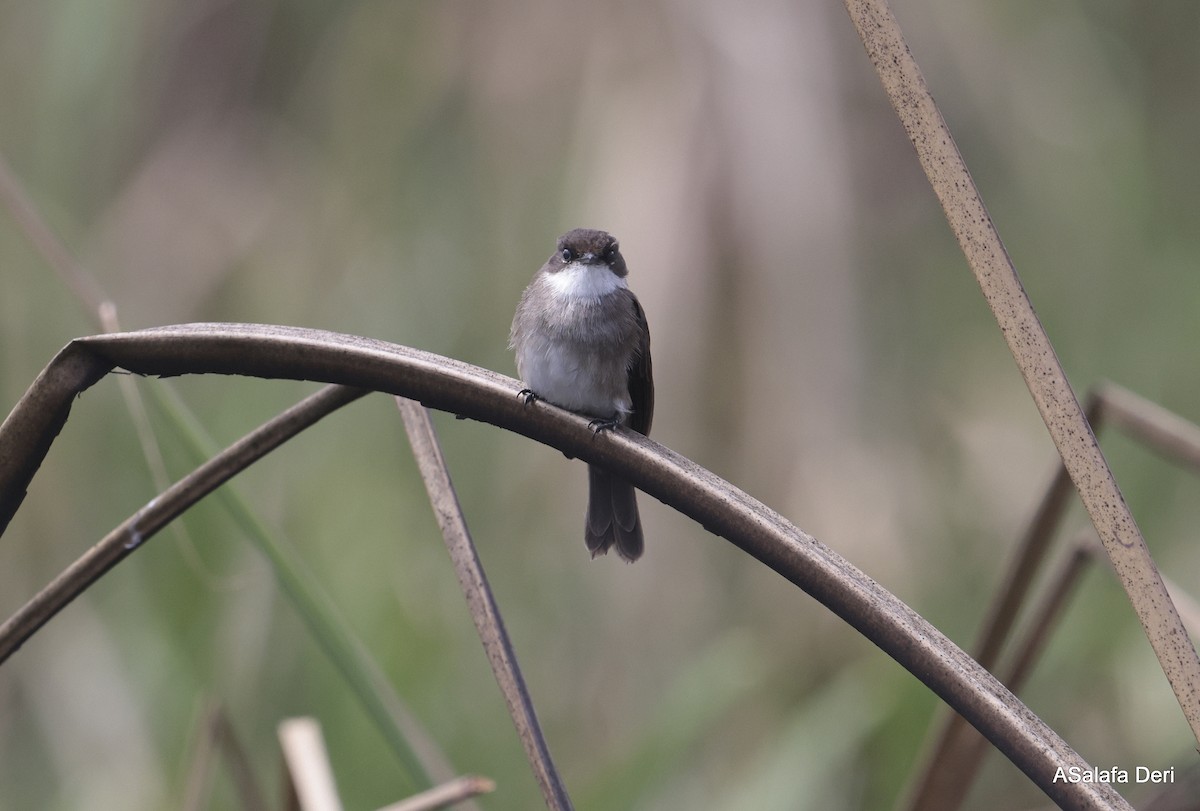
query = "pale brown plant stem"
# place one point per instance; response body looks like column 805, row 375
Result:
column 215, row 735
column 445, row 795
column 306, row 761
column 485, row 612
column 1151, row 425
column 25, row 213
column 997, row 277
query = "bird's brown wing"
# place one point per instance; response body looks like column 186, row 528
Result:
column 641, row 379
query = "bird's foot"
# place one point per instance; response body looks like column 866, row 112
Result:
column 607, row 424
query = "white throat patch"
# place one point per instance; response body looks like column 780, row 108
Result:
column 579, row 281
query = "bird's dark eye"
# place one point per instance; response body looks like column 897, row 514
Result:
column 610, row 252
column 568, row 255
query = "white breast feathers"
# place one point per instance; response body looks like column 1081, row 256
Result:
column 579, row 281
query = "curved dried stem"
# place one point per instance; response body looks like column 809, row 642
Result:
column 944, row 779
column 102, row 310
column 345, row 653
column 949, row 768
column 1031, row 348
column 450, row 385
column 960, row 751
column 161, row 510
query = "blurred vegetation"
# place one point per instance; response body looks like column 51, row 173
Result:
column 399, row 170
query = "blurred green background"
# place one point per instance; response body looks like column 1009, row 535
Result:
column 400, row 170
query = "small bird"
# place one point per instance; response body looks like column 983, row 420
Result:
column 582, row 343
